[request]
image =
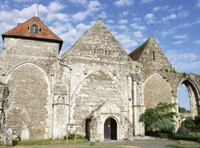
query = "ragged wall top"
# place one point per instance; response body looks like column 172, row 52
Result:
column 151, row 56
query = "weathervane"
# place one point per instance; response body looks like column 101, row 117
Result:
column 36, row 14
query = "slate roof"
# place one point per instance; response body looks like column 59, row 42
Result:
column 22, row 31
column 135, row 55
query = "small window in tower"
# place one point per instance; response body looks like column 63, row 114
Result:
column 106, row 52
column 154, row 58
column 94, row 51
column 34, row 28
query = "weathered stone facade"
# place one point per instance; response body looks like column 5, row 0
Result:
column 94, row 81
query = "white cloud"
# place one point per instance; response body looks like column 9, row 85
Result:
column 182, row 60
column 158, row 8
column 183, row 14
column 126, row 41
column 136, row 19
column 146, row 1
column 125, row 13
column 120, row 3
column 5, row 5
column 82, row 27
column 103, row 15
column 80, row 16
column 138, row 34
column 168, row 32
column 92, row 7
column 82, row 2
column 178, row 42
column 110, row 21
column 180, row 7
column 198, row 4
column 180, row 36
column 57, row 16
column 137, row 27
column 150, row 18
column 122, row 27
column 171, row 17
column 197, row 42
column 55, row 7
column 19, row 1
column 124, row 21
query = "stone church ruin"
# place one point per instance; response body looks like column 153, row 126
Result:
column 95, row 84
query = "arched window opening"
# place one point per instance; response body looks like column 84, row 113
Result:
column 183, row 100
column 94, row 51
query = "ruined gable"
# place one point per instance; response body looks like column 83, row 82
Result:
column 151, row 56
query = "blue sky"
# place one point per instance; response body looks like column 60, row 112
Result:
column 173, row 23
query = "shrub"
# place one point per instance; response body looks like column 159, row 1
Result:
column 183, row 130
column 188, row 123
column 184, row 74
column 166, row 70
column 164, row 125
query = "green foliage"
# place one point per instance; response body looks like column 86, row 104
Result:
column 166, row 70
column 174, row 71
column 160, row 69
column 172, row 91
column 163, row 125
column 188, row 123
column 184, row 74
column 182, row 110
column 161, row 111
column 164, row 77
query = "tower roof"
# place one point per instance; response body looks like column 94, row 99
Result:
column 22, row 31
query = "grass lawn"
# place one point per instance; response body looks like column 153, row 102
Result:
column 47, row 142
column 185, row 143
column 57, row 144
column 65, row 146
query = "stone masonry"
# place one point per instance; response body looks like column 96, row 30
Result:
column 95, row 80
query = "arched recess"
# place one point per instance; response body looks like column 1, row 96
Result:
column 193, row 92
column 92, row 92
column 156, row 89
column 27, row 107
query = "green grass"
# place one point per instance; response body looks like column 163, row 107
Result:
column 65, row 146
column 186, row 143
column 176, row 136
column 46, row 142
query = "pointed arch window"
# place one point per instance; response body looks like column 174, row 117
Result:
column 34, row 28
column 154, row 58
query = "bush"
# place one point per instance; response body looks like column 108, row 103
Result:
column 164, row 125
column 188, row 123
column 183, row 130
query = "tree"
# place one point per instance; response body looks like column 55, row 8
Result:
column 196, row 122
column 164, row 125
column 182, row 110
column 161, row 111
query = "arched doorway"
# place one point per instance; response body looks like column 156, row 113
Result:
column 110, row 129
